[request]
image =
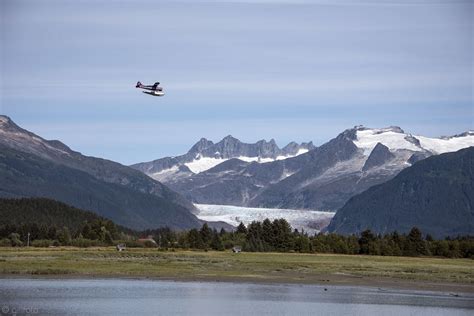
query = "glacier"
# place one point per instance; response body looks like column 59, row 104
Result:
column 396, row 139
column 310, row 221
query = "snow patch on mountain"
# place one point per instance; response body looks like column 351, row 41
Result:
column 172, row 169
column 395, row 139
column 311, row 221
column 367, row 139
column 341, row 168
column 265, row 160
column 165, row 174
column 201, row 164
column 444, row 145
column 206, row 154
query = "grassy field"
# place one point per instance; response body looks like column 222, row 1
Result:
column 252, row 267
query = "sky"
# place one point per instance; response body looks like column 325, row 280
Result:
column 281, row 69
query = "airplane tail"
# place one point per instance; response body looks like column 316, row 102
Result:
column 138, row 84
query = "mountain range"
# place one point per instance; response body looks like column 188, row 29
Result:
column 435, row 194
column 205, row 154
column 350, row 173
column 306, row 177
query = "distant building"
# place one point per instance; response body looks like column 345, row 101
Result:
column 148, row 240
column 236, row 249
column 121, row 247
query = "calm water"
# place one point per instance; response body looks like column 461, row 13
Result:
column 139, row 297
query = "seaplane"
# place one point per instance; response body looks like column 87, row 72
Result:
column 153, row 90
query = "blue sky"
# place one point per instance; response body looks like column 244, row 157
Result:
column 288, row 70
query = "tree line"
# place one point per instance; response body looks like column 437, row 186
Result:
column 96, row 232
column 52, row 223
column 278, row 236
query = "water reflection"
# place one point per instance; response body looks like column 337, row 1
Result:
column 138, row 297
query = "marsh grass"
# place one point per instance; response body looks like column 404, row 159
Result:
column 277, row 267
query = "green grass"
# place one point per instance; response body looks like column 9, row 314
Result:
column 268, row 267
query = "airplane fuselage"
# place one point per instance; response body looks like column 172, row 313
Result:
column 151, row 88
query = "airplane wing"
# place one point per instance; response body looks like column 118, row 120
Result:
column 155, row 85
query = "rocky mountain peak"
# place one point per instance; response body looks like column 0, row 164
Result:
column 230, row 138
column 16, row 137
column 395, row 129
column 379, row 155
column 7, row 125
column 231, row 147
column 415, row 141
column 293, row 148
column 201, row 145
column 4, row 120
column 351, row 133
column 392, row 128
column 465, row 134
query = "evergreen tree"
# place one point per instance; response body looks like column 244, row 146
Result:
column 222, row 232
column 353, row 244
column 241, row 229
column 414, row 244
column 283, row 240
column 52, row 233
column 454, row 249
column 366, row 238
column 301, row 243
column 268, row 235
column 194, row 239
column 206, row 234
column 216, row 242
column 183, row 240
column 64, row 236
column 254, row 233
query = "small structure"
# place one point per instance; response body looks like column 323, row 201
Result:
column 149, row 241
column 236, row 249
column 121, row 247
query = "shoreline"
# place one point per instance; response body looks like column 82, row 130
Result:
column 408, row 273
column 334, row 280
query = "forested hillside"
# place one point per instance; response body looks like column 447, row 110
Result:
column 46, row 219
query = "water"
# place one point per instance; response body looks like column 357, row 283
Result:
column 146, row 297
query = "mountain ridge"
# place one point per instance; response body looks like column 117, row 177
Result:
column 206, row 154
column 122, row 193
column 435, row 194
column 322, row 178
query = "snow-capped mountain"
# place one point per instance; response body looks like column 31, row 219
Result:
column 205, row 155
column 351, row 163
column 322, row 178
column 396, row 139
column 434, row 195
